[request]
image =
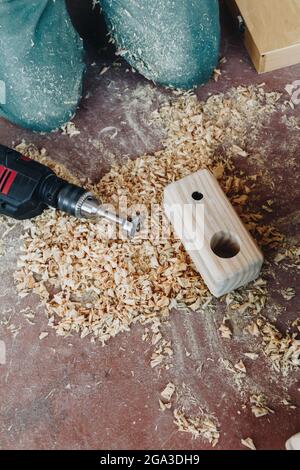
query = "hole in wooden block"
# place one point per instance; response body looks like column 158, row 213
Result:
column 225, row 245
column 197, row 196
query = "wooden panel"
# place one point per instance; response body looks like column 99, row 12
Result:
column 203, row 218
column 257, row 59
column 274, row 24
column 272, row 31
column 278, row 59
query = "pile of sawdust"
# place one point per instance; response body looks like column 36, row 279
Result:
column 92, row 284
column 200, row 426
column 283, row 351
column 97, row 286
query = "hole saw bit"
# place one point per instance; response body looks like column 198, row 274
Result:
column 28, row 187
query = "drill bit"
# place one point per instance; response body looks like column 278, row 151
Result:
column 90, row 208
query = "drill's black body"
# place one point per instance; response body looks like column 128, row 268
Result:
column 28, row 187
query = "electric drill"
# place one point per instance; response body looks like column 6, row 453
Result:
column 27, row 188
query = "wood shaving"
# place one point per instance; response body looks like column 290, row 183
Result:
column 162, row 352
column 200, row 426
column 288, row 404
column 240, row 366
column 43, row 335
column 225, row 331
column 237, row 374
column 259, row 411
column 290, row 255
column 253, row 329
column 168, row 391
column 70, row 129
column 164, row 406
column 289, row 88
column 283, row 351
column 13, row 329
column 104, row 70
column 259, row 407
column 238, row 151
column 217, row 74
column 248, row 442
column 252, row 356
column 288, row 294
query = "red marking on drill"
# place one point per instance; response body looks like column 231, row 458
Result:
column 26, row 159
column 7, row 178
column 2, row 170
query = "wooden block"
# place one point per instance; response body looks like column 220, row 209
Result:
column 221, row 248
column 272, row 31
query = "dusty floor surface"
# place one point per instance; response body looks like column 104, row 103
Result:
column 61, row 393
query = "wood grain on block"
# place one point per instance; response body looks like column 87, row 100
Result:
column 221, row 248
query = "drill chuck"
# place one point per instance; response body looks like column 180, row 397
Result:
column 68, row 199
column 57, row 193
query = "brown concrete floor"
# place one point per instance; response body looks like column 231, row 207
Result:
column 69, row 393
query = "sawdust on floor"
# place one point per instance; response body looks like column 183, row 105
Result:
column 92, row 284
column 97, row 286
